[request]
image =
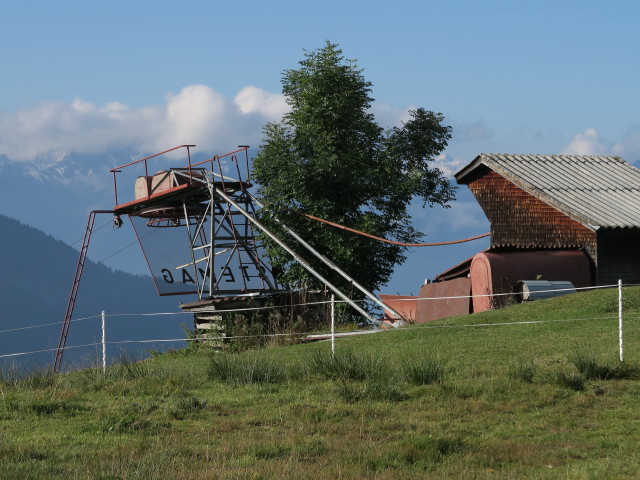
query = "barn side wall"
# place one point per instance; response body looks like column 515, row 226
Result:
column 521, row 220
column 618, row 256
column 451, row 298
column 405, row 305
column 497, row 273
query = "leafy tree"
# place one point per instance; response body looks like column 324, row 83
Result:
column 328, row 157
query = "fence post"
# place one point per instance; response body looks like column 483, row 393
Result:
column 333, row 328
column 104, row 343
column 620, row 337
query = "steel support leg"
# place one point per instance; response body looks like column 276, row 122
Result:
column 74, row 288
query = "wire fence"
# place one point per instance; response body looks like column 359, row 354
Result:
column 317, row 334
column 312, row 335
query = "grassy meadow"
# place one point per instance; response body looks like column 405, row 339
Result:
column 462, row 398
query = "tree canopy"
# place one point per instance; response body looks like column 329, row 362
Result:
column 329, row 158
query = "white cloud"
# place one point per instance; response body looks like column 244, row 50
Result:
column 256, row 100
column 629, row 147
column 389, row 116
column 195, row 115
column 590, row 143
column 585, row 143
column 448, row 165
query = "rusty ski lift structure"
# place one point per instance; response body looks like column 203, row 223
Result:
column 210, row 202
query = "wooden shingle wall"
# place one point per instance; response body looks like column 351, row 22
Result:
column 520, row 220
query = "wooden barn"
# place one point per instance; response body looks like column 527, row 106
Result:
column 555, row 217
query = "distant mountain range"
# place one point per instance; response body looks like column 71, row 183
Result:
column 36, row 272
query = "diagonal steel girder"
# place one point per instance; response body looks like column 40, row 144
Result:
column 297, row 257
column 333, row 266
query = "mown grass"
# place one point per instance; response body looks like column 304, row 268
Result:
column 459, row 398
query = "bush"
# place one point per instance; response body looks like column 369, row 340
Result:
column 284, row 324
column 53, row 407
column 128, row 417
column 227, row 367
column 588, row 365
column 130, row 369
column 572, row 380
column 185, row 406
column 359, row 376
column 381, row 389
column 523, row 370
column 429, row 449
column 39, row 379
column 347, row 365
column 424, row 371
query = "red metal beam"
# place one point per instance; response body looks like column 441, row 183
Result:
column 151, row 156
column 243, row 148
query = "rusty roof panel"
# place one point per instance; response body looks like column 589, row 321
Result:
column 599, row 191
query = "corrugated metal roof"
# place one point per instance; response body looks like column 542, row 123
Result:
column 598, row 191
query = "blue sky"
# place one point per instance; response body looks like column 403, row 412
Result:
column 89, row 85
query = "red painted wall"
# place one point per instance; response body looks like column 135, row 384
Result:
column 498, row 272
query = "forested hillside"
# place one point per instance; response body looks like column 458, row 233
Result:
column 36, row 272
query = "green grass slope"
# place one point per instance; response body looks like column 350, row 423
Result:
column 468, row 398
